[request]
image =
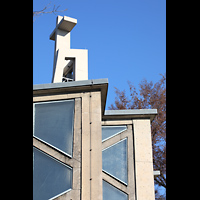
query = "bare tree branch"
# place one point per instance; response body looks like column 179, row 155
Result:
column 44, row 10
column 150, row 96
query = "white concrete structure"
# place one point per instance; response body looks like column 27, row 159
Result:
column 80, row 150
column 69, row 64
column 95, row 175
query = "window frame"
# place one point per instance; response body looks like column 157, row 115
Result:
column 126, row 160
column 64, row 164
column 128, row 134
column 115, row 133
column 73, row 161
column 114, row 187
column 47, row 143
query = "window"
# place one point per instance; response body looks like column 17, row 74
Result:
column 53, row 124
column 114, row 161
column 50, row 176
column 118, row 174
column 112, row 193
column 54, row 150
column 110, row 131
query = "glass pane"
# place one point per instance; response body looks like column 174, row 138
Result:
column 112, row 193
column 114, row 161
column 50, row 177
column 53, row 123
column 110, row 131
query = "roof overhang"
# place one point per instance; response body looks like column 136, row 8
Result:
column 66, row 24
column 130, row 114
column 74, row 87
column 89, row 86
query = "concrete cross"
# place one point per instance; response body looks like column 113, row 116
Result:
column 69, row 64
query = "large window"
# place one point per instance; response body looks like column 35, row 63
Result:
column 50, row 176
column 53, row 160
column 53, row 124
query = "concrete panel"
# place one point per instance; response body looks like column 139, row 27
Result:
column 145, row 181
column 85, row 194
column 143, row 159
column 131, row 178
column 55, row 97
column 77, row 129
column 143, row 143
column 96, row 146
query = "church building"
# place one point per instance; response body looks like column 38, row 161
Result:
column 80, row 150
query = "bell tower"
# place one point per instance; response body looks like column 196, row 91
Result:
column 69, row 64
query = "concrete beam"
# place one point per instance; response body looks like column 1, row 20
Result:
column 66, row 24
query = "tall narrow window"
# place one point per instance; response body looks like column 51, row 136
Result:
column 53, row 124
column 114, row 161
column 50, row 177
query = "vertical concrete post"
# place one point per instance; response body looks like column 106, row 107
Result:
column 91, row 147
column 62, row 43
column 96, row 146
column 143, row 159
column 85, row 190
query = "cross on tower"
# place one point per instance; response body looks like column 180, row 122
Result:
column 69, row 64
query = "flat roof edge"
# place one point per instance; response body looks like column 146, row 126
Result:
column 66, row 24
column 74, row 87
column 130, row 114
column 69, row 84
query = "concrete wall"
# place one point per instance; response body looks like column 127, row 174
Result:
column 88, row 146
column 86, row 161
column 140, row 160
column 91, row 146
column 143, row 159
column 75, row 161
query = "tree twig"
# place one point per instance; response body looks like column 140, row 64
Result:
column 44, row 10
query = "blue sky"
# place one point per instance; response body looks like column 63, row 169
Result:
column 126, row 40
